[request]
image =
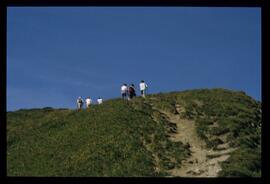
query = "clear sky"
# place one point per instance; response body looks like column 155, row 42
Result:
column 55, row 54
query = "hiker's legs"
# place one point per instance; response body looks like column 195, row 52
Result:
column 143, row 93
column 124, row 95
column 133, row 95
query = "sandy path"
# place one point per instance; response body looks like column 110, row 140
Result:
column 203, row 162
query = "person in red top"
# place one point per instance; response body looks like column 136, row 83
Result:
column 131, row 91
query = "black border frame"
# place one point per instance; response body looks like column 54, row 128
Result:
column 4, row 4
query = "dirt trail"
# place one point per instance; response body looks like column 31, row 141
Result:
column 203, row 162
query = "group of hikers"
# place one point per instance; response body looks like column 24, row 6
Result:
column 88, row 102
column 127, row 92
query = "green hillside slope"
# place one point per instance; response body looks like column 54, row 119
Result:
column 120, row 138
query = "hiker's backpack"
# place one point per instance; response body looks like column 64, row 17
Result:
column 131, row 90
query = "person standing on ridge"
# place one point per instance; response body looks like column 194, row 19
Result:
column 88, row 102
column 80, row 103
column 99, row 100
column 131, row 91
column 124, row 91
column 143, row 87
column 134, row 91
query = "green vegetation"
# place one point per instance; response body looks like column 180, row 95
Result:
column 120, row 138
column 220, row 112
column 112, row 139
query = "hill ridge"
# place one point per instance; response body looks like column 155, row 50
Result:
column 194, row 133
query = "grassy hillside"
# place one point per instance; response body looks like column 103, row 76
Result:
column 120, row 138
column 112, row 139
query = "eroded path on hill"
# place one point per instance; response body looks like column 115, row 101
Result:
column 203, row 162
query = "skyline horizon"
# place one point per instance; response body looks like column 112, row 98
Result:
column 55, row 54
column 94, row 100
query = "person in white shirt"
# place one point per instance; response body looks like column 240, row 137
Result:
column 124, row 90
column 143, row 87
column 88, row 102
column 99, row 100
column 80, row 102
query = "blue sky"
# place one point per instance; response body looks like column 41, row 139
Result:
column 55, row 54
